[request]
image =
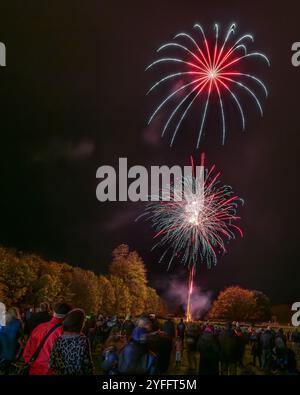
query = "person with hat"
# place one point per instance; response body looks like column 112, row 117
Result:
column 44, row 334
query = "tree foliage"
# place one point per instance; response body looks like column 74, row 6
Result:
column 235, row 303
column 17, row 275
column 128, row 266
column 107, row 297
column 122, row 299
column 154, row 303
column 27, row 280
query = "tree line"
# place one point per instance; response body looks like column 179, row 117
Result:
column 27, row 280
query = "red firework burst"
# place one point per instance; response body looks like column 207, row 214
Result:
column 211, row 68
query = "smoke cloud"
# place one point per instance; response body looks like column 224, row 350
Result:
column 176, row 297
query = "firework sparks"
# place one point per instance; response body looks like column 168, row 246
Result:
column 194, row 225
column 196, row 222
column 207, row 68
column 190, row 291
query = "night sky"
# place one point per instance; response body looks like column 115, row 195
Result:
column 73, row 99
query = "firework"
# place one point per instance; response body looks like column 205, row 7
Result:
column 207, row 68
column 194, row 226
column 196, row 222
column 190, row 291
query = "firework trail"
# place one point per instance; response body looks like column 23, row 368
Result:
column 194, row 218
column 207, row 68
column 196, row 221
column 190, row 292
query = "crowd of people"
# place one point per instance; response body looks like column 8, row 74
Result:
column 66, row 341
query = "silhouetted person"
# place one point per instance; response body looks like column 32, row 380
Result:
column 267, row 343
column 39, row 317
column 229, row 350
column 169, row 328
column 208, row 346
column 181, row 329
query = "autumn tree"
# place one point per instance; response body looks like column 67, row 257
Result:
column 52, row 284
column 107, row 298
column 262, row 311
column 2, row 294
column 17, row 275
column 123, row 301
column 152, row 302
column 235, row 303
column 66, row 277
column 27, row 280
column 162, row 307
column 84, row 287
column 129, row 266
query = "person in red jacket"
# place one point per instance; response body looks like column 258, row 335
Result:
column 41, row 365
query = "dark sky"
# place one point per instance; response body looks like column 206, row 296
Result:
column 73, row 99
